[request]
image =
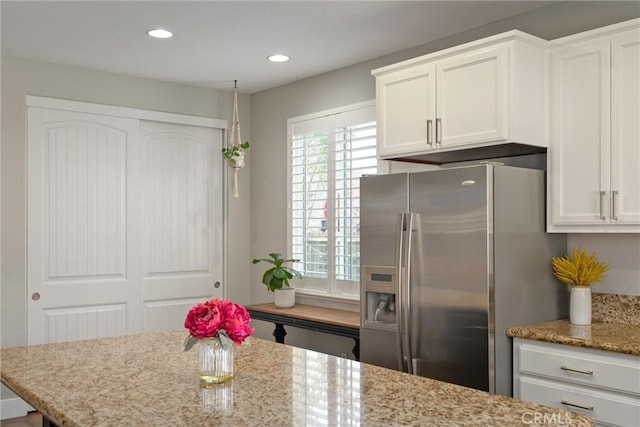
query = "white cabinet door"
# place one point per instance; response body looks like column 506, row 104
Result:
column 181, row 184
column 83, row 268
column 625, row 128
column 472, row 97
column 580, row 134
column 406, row 110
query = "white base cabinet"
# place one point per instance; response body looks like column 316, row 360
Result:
column 594, row 147
column 599, row 384
column 475, row 95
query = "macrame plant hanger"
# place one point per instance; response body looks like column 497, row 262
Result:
column 237, row 160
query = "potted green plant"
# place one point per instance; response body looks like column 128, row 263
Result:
column 234, row 155
column 277, row 277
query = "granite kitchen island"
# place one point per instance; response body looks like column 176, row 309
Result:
column 148, row 380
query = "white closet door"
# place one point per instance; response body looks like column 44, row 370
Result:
column 181, row 194
column 124, row 224
column 83, row 272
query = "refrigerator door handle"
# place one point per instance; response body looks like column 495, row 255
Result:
column 406, row 293
column 399, row 310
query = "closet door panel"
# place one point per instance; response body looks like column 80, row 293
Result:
column 83, row 275
column 181, row 191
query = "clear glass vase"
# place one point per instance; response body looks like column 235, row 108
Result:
column 217, row 398
column 216, row 362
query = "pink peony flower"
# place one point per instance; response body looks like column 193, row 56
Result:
column 208, row 319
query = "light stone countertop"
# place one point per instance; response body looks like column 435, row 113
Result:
column 617, row 337
column 148, row 380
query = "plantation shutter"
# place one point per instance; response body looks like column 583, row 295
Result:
column 328, row 156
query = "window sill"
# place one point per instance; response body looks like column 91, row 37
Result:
column 304, row 296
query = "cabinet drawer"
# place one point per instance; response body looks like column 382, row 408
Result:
column 618, row 372
column 604, row 407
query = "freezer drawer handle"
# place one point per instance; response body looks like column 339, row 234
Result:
column 586, row 408
column 578, row 371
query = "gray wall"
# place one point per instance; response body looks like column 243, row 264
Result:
column 20, row 78
column 271, row 109
column 621, row 252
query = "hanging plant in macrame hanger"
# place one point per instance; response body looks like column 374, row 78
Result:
column 234, row 151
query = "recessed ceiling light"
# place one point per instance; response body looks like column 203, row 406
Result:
column 278, row 58
column 159, row 33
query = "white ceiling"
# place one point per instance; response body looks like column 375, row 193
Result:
column 217, row 42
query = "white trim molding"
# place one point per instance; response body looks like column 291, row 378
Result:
column 13, row 408
column 133, row 113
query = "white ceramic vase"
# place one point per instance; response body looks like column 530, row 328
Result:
column 580, row 305
column 285, row 297
column 237, row 161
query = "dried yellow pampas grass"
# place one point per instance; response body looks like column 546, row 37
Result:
column 582, row 269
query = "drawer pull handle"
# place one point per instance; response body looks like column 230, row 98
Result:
column 586, row 408
column 564, row 368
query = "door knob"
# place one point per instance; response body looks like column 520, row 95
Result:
column 35, row 296
column 216, row 285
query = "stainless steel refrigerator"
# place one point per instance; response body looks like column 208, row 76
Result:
column 450, row 259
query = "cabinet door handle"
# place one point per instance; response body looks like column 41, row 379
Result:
column 603, row 194
column 614, row 204
column 439, row 131
column 578, row 371
column 429, row 123
column 586, row 408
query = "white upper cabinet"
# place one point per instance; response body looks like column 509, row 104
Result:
column 594, row 151
column 479, row 94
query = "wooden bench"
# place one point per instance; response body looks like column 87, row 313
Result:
column 320, row 319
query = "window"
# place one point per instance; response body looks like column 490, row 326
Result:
column 328, row 154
